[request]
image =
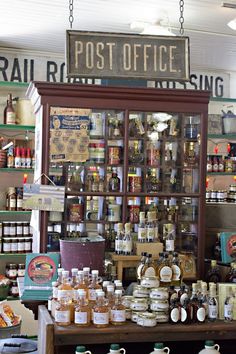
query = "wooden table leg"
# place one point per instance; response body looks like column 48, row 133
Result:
column 120, row 270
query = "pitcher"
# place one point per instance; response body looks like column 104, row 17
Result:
column 115, row 349
column 210, row 348
column 80, row 349
column 160, row 349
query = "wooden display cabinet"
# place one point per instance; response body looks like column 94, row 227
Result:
column 156, row 142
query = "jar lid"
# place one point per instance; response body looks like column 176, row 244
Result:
column 149, row 278
column 209, row 343
column 80, row 349
column 115, row 347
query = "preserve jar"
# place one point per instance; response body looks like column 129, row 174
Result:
column 21, row 270
column 150, row 282
column 146, row 319
column 139, row 304
column 140, row 292
column 14, row 290
column 159, row 305
column 11, row 271
column 126, row 301
column 161, row 316
column 159, row 293
column 134, row 316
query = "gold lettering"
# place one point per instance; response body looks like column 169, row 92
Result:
column 110, row 48
column 145, row 56
column 100, row 63
column 163, row 66
column 136, row 55
column 172, row 48
column 89, row 55
column 127, row 56
column 78, row 51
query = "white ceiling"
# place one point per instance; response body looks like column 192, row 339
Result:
column 41, row 24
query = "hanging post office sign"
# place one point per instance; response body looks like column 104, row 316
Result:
column 112, row 55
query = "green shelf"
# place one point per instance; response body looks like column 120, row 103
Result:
column 223, row 99
column 15, row 212
column 221, row 173
column 12, row 169
column 13, row 84
column 16, row 127
column 222, row 136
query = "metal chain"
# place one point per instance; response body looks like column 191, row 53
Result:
column 181, row 19
column 71, row 8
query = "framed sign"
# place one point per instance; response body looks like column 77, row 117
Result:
column 113, row 55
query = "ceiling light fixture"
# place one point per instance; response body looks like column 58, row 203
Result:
column 232, row 24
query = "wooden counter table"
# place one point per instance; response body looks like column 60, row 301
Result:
column 52, row 335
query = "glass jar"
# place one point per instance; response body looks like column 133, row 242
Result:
column 12, row 229
column 19, row 228
column 6, row 229
column 25, row 228
column 134, row 316
column 159, row 293
column 161, row 316
column 11, row 271
column 159, row 305
column 21, row 270
column 146, row 319
column 150, row 282
column 126, row 301
column 14, row 245
column 139, row 304
column 6, row 245
column 21, row 245
column 11, row 198
column 140, row 292
column 14, row 290
column 28, row 244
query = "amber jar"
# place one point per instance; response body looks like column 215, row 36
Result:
column 11, row 271
column 21, row 270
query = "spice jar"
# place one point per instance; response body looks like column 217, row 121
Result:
column 11, row 271
column 21, row 270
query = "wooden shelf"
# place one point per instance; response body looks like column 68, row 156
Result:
column 12, row 169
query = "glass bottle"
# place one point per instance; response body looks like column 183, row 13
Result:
column 217, row 248
column 213, row 274
column 127, row 240
column 80, row 282
column 100, row 311
column 169, row 234
column 149, row 268
column 177, row 272
column 110, row 295
column 75, row 181
column 142, row 231
column 172, row 293
column 95, row 182
column 141, row 265
column 17, row 158
column 186, row 312
column 212, row 304
column 93, row 286
column 204, row 296
column 65, row 289
column 135, row 154
column 119, row 239
column 118, row 316
column 82, row 315
column 174, row 312
column 114, row 182
column 153, row 182
column 59, row 276
column 231, row 276
column 9, row 111
column 201, row 312
column 150, row 226
column 165, row 272
column 228, row 305
column 182, row 294
column 194, row 302
column 74, row 273
column 63, row 312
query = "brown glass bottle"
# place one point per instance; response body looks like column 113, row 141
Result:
column 194, row 302
column 186, row 312
column 231, row 276
column 174, row 312
column 165, row 272
column 9, row 112
column 114, row 182
column 93, row 286
column 213, row 274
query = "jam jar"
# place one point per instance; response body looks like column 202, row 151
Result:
column 140, row 291
column 150, row 282
column 11, row 271
column 146, row 319
column 139, row 304
column 21, row 270
column 14, row 290
column 159, row 293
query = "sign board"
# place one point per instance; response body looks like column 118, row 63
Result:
column 112, row 55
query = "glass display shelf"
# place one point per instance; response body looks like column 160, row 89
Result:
column 17, row 127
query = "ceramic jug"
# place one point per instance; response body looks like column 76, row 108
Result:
column 115, row 349
column 210, row 348
column 80, row 349
column 160, row 349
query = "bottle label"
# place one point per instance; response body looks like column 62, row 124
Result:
column 11, row 118
column 19, row 203
column 150, row 272
column 228, row 311
column 49, row 305
column 127, row 246
column 28, row 162
column 81, row 317
column 165, row 274
column 183, row 315
column 12, row 203
column 17, row 162
column 142, row 234
column 170, row 245
column 28, row 245
column 100, row 318
column 183, row 297
column 62, row 316
column 92, row 295
column 174, row 315
column 118, row 316
column 21, row 246
column 65, row 293
column 201, row 314
column 6, row 247
column 14, row 246
column 212, row 311
column 118, row 245
column 176, row 272
column 150, row 234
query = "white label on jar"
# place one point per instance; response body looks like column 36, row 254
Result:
column 62, row 316
column 92, row 295
column 201, row 314
column 127, row 246
column 136, row 306
column 228, row 311
column 11, row 118
column 165, row 274
column 81, row 317
column 12, row 231
column 183, row 314
column 26, row 230
column 19, row 203
column 65, row 293
column 12, row 273
column 118, row 245
column 21, row 245
column 170, row 245
column 21, row 272
column 150, row 283
column 118, row 315
column 176, row 272
column 6, row 230
column 14, row 246
column 6, row 247
column 159, row 294
column 27, row 244
column 146, row 322
column 14, row 290
column 19, row 230
column 150, row 233
column 212, row 311
column 150, row 272
column 142, row 234
column 174, row 315
column 100, row 318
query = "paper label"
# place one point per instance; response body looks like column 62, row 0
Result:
column 81, row 317
column 62, row 316
column 100, row 318
column 118, row 316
